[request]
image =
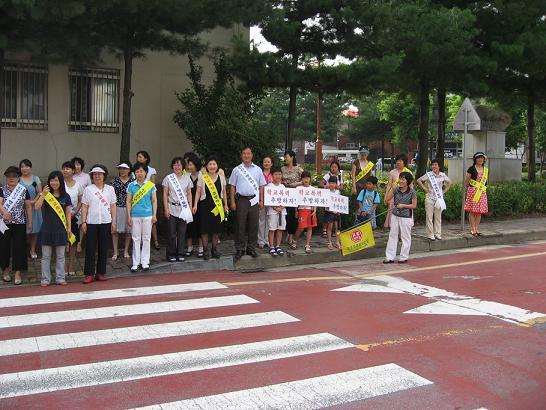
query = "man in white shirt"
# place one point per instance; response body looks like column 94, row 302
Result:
column 246, row 197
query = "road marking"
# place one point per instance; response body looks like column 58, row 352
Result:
column 108, row 294
column 383, row 273
column 426, row 338
column 314, row 393
column 450, row 302
column 93, row 374
column 124, row 310
column 146, row 332
column 364, row 287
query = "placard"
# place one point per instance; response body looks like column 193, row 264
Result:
column 287, row 197
column 339, row 203
column 314, row 197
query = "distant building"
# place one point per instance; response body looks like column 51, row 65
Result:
column 54, row 112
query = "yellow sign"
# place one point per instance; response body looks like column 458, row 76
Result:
column 54, row 203
column 480, row 186
column 365, row 171
column 144, row 189
column 219, row 208
column 357, row 238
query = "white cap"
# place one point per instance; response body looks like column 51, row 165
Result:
column 97, row 169
column 123, row 165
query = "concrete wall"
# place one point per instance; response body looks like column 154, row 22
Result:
column 155, row 80
column 500, row 169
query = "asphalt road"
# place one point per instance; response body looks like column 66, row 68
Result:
column 464, row 330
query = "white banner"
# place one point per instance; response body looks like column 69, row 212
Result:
column 339, row 203
column 314, row 197
column 287, row 197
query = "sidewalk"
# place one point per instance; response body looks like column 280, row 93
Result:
column 494, row 232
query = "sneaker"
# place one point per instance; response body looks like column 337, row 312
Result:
column 180, row 259
column 172, row 259
column 403, row 261
column 134, row 269
column 307, row 248
column 44, row 284
column 439, row 238
column 145, row 268
column 386, row 261
column 62, row 283
column 100, row 278
column 88, row 279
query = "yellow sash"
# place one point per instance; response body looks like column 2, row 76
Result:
column 144, row 189
column 219, row 208
column 54, row 203
column 480, row 186
column 366, row 169
column 404, row 170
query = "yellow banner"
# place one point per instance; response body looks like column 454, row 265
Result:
column 366, row 169
column 54, row 203
column 144, row 189
column 219, row 208
column 480, row 186
column 404, row 170
column 357, row 238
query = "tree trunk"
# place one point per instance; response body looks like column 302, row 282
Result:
column 424, row 107
column 1, row 95
column 531, row 166
column 291, row 118
column 441, row 141
column 125, row 148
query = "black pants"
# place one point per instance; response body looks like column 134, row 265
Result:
column 291, row 221
column 177, row 237
column 13, row 245
column 98, row 236
column 248, row 218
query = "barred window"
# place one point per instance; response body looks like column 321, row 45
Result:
column 24, row 97
column 94, row 100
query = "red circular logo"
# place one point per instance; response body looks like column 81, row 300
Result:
column 356, row 236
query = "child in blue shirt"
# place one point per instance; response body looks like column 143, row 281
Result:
column 368, row 200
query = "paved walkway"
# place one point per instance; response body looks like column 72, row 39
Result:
column 494, row 232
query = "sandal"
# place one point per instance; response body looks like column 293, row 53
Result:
column 280, row 252
column 272, row 252
column 115, row 257
column 330, row 247
column 156, row 246
column 293, row 245
column 126, row 256
column 200, row 253
column 324, row 234
column 17, row 281
column 307, row 248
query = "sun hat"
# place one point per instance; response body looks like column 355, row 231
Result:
column 123, row 165
column 364, row 150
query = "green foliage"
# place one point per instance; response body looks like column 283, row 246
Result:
column 218, row 118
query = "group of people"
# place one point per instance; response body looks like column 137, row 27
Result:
column 73, row 205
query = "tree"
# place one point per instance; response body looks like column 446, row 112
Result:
column 514, row 34
column 132, row 28
column 220, row 119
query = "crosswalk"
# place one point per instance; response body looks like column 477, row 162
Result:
column 51, row 349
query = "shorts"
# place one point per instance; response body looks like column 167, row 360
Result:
column 121, row 221
column 306, row 219
column 276, row 222
column 330, row 217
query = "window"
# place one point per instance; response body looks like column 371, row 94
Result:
column 94, row 100
column 24, row 99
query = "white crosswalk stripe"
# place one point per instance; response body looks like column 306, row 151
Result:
column 82, row 370
column 308, row 394
column 125, row 310
column 93, row 374
column 145, row 332
column 108, row 294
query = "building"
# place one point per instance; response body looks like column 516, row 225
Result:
column 52, row 113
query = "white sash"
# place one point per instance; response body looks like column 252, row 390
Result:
column 440, row 203
column 185, row 213
column 252, row 182
column 10, row 202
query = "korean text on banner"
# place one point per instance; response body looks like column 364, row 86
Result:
column 287, row 197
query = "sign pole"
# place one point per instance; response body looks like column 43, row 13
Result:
column 464, row 166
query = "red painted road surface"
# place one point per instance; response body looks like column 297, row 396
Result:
column 452, row 360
